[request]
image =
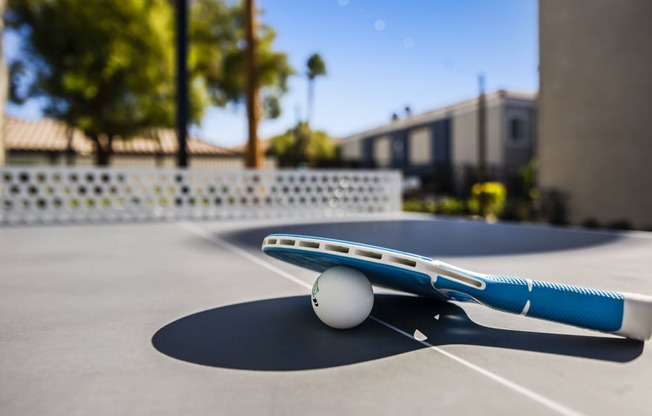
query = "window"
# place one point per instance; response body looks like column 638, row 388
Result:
column 383, row 151
column 517, row 130
column 420, row 148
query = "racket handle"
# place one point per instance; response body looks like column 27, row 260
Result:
column 624, row 314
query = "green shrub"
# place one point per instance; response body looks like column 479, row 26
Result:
column 451, row 206
column 517, row 210
column 446, row 206
column 591, row 223
column 413, row 205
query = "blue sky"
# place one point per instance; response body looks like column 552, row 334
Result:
column 383, row 55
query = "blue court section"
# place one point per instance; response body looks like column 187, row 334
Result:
column 192, row 318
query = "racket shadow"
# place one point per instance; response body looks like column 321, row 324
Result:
column 439, row 237
column 283, row 334
column 454, row 327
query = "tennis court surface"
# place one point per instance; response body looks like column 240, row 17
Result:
column 192, row 318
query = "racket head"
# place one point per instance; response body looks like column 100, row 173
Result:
column 383, row 267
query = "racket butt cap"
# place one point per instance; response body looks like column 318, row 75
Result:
column 637, row 317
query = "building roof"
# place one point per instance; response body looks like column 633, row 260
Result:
column 439, row 113
column 242, row 148
column 50, row 135
column 46, row 135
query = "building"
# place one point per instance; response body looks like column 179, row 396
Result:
column 51, row 142
column 595, row 127
column 440, row 147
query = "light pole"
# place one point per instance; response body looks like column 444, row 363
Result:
column 181, row 9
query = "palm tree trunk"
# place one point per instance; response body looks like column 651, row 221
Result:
column 311, row 95
column 254, row 157
column 308, row 131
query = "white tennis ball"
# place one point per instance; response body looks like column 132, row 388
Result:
column 342, row 297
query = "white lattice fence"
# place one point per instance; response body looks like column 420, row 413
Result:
column 65, row 195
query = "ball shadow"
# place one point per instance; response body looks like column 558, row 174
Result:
column 283, row 334
column 274, row 335
column 439, row 237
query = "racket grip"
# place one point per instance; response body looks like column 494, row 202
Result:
column 624, row 314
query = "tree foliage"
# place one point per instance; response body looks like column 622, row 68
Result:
column 218, row 33
column 300, row 146
column 316, row 66
column 107, row 67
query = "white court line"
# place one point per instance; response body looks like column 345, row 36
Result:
column 520, row 389
column 549, row 403
column 242, row 253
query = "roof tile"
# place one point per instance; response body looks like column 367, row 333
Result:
column 50, row 135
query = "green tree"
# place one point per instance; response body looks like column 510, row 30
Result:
column 224, row 68
column 290, row 152
column 218, row 54
column 105, row 67
column 315, row 68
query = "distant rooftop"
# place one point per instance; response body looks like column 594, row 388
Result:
column 441, row 112
column 242, row 148
column 50, row 135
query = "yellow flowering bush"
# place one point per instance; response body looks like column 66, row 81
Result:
column 495, row 196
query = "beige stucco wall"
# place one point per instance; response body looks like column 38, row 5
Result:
column 595, row 126
column 133, row 161
column 4, row 83
column 3, row 99
column 465, row 135
column 28, row 159
column 383, row 151
column 351, row 150
column 420, row 146
column 519, row 152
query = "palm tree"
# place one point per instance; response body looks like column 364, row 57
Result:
column 254, row 154
column 316, row 68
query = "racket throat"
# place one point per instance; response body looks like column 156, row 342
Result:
column 467, row 279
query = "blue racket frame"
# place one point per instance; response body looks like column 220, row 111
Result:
column 595, row 309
